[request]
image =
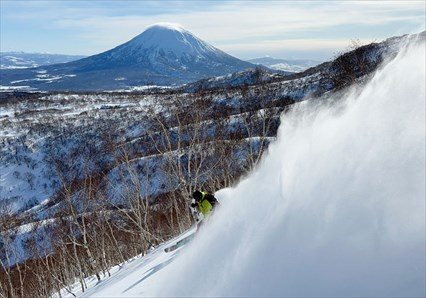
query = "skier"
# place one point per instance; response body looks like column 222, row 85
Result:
column 202, row 205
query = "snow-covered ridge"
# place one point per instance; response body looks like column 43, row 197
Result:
column 291, row 65
column 21, row 60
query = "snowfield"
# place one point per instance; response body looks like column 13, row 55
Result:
column 295, row 65
column 336, row 208
column 19, row 60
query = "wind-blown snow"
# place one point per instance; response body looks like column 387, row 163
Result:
column 166, row 25
column 335, row 209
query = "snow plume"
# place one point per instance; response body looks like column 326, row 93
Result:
column 337, row 207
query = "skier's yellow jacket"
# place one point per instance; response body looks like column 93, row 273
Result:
column 204, row 205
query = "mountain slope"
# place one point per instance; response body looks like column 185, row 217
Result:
column 291, row 65
column 13, row 60
column 164, row 54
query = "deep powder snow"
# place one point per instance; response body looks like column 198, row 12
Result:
column 335, row 209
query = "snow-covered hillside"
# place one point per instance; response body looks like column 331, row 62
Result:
column 336, row 208
column 13, row 60
column 290, row 65
column 127, row 279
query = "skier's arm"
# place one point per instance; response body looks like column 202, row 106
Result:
column 212, row 200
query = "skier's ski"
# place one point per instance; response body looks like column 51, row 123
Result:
column 180, row 243
column 171, row 248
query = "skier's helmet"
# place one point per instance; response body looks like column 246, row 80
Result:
column 197, row 195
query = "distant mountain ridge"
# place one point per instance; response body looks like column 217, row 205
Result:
column 164, row 54
column 14, row 60
column 290, row 65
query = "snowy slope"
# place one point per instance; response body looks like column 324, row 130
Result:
column 127, row 279
column 291, row 65
column 13, row 60
column 335, row 209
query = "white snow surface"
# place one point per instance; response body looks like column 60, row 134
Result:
column 335, row 209
column 127, row 279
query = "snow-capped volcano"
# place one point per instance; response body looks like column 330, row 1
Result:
column 171, row 39
column 163, row 54
column 169, row 49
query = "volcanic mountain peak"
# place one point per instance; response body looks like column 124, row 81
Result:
column 164, row 54
column 170, row 38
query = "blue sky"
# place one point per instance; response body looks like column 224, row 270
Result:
column 246, row 29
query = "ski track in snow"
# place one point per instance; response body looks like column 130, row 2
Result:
column 127, row 279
